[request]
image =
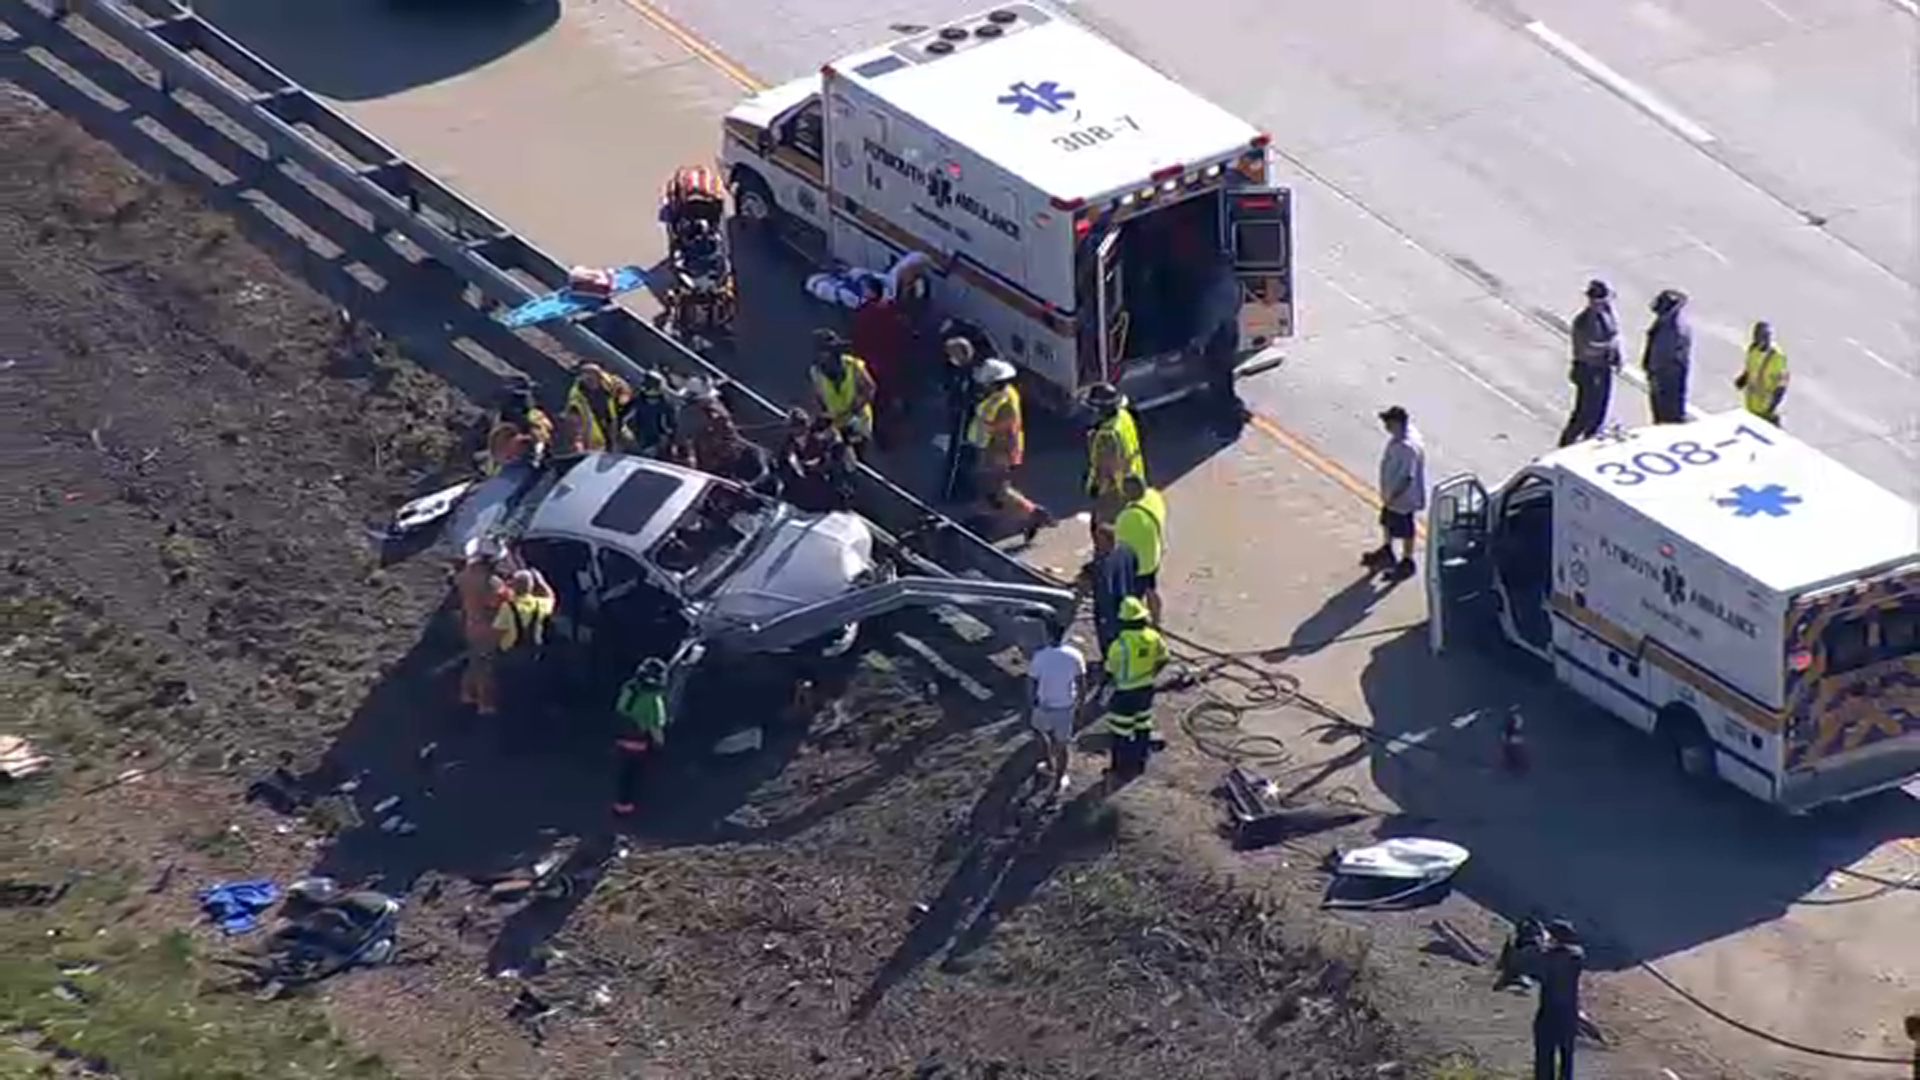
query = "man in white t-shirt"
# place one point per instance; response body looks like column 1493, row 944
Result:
column 1056, row 682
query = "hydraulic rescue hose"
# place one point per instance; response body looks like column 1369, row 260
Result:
column 1213, row 724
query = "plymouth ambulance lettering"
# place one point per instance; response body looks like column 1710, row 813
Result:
column 940, row 188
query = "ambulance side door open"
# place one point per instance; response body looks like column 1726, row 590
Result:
column 1459, row 562
column 1260, row 242
column 1110, row 304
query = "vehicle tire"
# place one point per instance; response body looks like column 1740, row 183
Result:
column 753, row 202
column 1688, row 745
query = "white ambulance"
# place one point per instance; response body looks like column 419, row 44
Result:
column 1084, row 208
column 1719, row 584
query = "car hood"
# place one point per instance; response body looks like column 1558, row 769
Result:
column 809, row 558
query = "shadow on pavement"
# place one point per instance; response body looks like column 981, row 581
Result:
column 1013, row 843
column 1599, row 827
column 356, row 50
column 1336, row 616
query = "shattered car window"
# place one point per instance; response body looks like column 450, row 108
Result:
column 710, row 534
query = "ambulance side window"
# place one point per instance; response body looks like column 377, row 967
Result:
column 803, row 131
column 1900, row 632
column 1848, row 645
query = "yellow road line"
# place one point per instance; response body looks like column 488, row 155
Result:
column 697, row 45
column 725, row 65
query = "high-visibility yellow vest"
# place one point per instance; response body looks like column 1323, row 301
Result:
column 992, row 415
column 1119, row 433
column 597, row 425
column 523, row 620
column 1135, row 658
column 838, row 397
column 1141, row 526
column 1766, row 374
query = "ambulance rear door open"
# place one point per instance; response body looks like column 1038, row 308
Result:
column 1259, row 225
column 1110, row 304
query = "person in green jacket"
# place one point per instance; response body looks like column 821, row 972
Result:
column 642, row 705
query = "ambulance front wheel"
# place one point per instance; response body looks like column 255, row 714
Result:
column 753, row 202
column 1687, row 743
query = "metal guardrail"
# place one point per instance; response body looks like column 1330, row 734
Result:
column 270, row 123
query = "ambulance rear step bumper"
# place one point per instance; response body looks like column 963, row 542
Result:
column 1160, row 381
column 1870, row 770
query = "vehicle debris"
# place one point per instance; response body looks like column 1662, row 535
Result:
column 19, row 759
column 236, row 906
column 1392, row 873
column 741, row 742
column 30, row 893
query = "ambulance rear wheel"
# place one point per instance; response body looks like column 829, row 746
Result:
column 1687, row 743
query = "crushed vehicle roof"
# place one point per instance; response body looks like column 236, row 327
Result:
column 628, row 502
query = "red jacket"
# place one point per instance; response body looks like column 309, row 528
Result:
column 881, row 335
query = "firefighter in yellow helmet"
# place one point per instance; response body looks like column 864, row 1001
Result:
column 1113, row 455
column 1132, row 667
column 594, row 404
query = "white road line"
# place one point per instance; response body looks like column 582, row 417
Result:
column 1597, row 70
column 1881, row 360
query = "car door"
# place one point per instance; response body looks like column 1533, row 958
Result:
column 1459, row 569
column 1260, row 241
column 799, row 149
column 568, row 567
column 638, row 615
column 1110, row 304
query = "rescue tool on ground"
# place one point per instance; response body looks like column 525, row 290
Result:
column 1086, row 213
column 1740, row 595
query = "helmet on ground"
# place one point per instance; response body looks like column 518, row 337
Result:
column 1134, row 609
column 993, row 371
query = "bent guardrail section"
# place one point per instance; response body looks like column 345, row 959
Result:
column 234, row 114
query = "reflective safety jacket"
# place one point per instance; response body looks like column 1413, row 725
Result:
column 644, row 705
column 596, row 415
column 998, row 414
column 1141, row 526
column 839, row 397
column 1765, row 376
column 1113, row 454
column 1135, row 658
column 523, row 621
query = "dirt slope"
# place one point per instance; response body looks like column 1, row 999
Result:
column 195, row 450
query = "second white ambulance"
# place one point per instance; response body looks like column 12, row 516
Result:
column 1719, row 584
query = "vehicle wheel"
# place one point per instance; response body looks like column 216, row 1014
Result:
column 753, row 202
column 1688, row 744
